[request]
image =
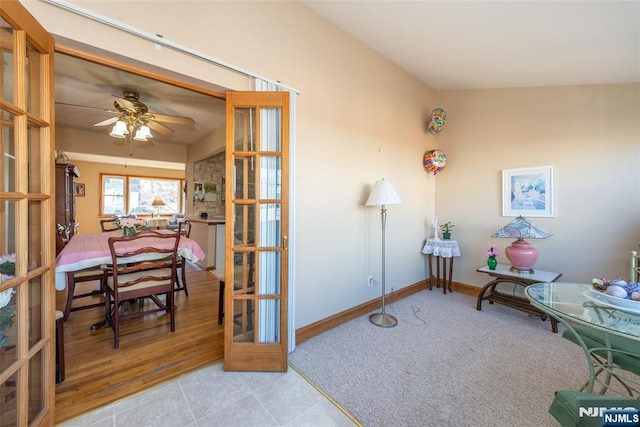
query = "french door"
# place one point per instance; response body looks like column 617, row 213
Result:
column 256, row 268
column 27, row 245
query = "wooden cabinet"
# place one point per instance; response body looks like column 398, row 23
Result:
column 66, row 175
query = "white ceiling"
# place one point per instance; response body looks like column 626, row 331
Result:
column 478, row 44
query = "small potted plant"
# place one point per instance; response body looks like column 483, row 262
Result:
column 446, row 230
column 492, row 253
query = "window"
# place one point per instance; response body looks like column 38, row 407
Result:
column 125, row 194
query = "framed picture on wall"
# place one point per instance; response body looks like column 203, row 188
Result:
column 529, row 191
column 198, row 192
column 79, row 189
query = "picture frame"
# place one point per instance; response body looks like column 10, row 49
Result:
column 529, row 191
column 79, row 189
column 198, row 192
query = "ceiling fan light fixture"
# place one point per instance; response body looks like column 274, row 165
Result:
column 119, row 129
column 146, row 132
column 140, row 136
column 143, row 133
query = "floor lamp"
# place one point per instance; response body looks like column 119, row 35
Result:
column 383, row 194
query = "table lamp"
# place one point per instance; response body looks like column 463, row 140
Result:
column 520, row 253
column 383, row 194
column 157, row 202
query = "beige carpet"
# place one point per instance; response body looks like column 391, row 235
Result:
column 445, row 364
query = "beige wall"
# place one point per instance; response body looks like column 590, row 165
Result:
column 592, row 136
column 361, row 118
column 88, row 207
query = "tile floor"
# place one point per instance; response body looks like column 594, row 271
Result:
column 212, row 397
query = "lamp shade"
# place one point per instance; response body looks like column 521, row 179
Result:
column 520, row 253
column 383, row 193
column 522, row 228
column 157, row 202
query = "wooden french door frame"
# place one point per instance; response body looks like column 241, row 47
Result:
column 257, row 229
column 27, row 356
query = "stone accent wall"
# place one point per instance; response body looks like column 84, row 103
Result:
column 210, row 172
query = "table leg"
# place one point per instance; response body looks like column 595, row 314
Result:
column 430, row 273
column 444, row 275
column 450, row 272
column 221, row 303
column 437, row 272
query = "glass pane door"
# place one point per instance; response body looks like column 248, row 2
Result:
column 27, row 389
column 256, row 261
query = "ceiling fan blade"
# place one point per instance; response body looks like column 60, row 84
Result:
column 160, row 128
column 179, row 120
column 106, row 110
column 108, row 121
column 125, row 103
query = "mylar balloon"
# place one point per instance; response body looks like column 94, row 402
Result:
column 436, row 121
column 435, row 161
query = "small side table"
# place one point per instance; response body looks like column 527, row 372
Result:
column 445, row 250
column 503, row 274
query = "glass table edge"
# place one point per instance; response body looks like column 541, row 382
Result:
column 565, row 317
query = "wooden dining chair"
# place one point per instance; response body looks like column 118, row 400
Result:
column 142, row 266
column 109, row 224
column 94, row 274
column 184, row 229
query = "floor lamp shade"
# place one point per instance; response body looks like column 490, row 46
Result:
column 520, row 253
column 383, row 193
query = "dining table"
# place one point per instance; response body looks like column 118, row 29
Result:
column 606, row 327
column 88, row 250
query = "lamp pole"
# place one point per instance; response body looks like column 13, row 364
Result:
column 383, row 319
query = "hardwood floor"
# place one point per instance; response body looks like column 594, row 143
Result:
column 97, row 374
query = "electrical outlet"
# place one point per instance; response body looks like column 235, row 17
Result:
column 370, row 281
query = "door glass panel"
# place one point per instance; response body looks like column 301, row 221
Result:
column 270, row 227
column 9, row 405
column 270, row 177
column 244, row 179
column 6, row 40
column 7, row 143
column 36, row 221
column 36, row 157
column 35, row 311
column 8, row 328
column 36, row 392
column 8, row 215
column 244, row 273
column 34, row 69
column 269, row 321
column 245, row 129
column 270, row 129
column 244, row 225
column 243, row 321
column 270, row 278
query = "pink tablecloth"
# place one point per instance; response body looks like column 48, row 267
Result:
column 92, row 249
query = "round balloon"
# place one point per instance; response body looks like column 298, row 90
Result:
column 436, row 121
column 435, row 161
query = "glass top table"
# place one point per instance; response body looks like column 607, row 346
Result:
column 580, row 303
column 607, row 329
